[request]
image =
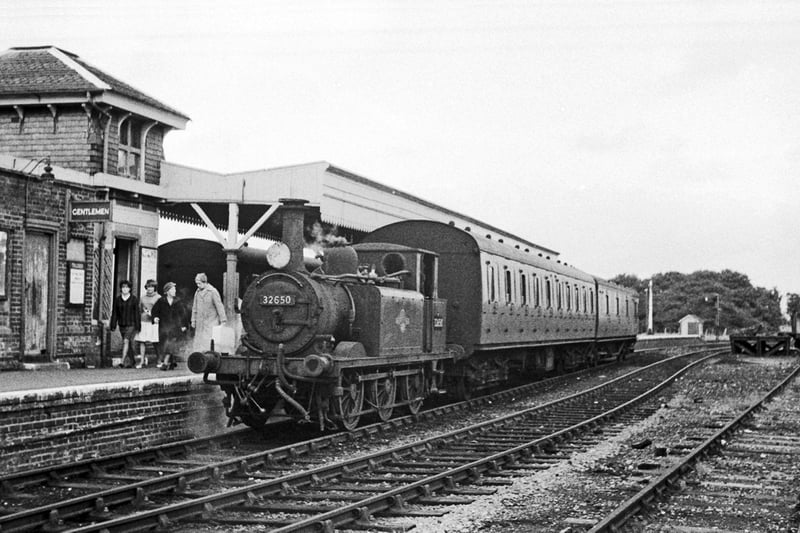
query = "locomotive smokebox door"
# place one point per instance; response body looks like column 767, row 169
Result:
column 285, row 309
column 292, row 309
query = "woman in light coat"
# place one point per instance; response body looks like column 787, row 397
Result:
column 207, row 312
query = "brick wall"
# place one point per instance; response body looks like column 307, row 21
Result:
column 70, row 140
column 52, row 427
column 73, row 139
column 44, row 203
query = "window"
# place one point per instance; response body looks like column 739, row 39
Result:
column 523, row 281
column 548, row 293
column 591, row 300
column 537, row 290
column 129, row 154
column 617, row 300
column 627, row 308
column 559, row 289
column 608, row 307
column 585, row 307
column 490, row 284
column 509, row 290
column 569, row 297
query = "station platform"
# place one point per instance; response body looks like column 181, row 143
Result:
column 44, row 377
column 52, row 415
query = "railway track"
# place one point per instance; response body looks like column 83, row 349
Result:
column 203, row 491
column 43, row 498
column 742, row 477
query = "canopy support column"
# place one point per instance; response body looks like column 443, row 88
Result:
column 231, row 283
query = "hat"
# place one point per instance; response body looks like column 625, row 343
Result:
column 168, row 285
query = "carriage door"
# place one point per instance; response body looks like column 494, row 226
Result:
column 36, row 293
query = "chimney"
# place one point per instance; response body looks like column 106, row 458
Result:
column 293, row 219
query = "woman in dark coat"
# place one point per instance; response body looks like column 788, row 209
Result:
column 171, row 317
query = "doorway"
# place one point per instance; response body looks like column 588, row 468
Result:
column 124, row 253
column 36, row 298
column 123, row 262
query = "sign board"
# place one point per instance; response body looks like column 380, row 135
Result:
column 90, row 211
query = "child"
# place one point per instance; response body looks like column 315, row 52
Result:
column 149, row 330
column 125, row 312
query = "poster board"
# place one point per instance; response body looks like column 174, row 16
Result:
column 148, row 264
column 77, row 283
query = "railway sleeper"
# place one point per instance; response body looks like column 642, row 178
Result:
column 407, row 512
column 371, row 525
column 323, row 495
column 267, row 507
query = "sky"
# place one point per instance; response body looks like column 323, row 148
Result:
column 634, row 137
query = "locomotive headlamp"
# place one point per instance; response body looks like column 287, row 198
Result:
column 278, row 255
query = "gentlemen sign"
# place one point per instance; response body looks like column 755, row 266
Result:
column 89, row 211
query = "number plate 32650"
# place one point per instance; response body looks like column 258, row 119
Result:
column 277, row 299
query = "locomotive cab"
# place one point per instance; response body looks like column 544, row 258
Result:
column 418, row 272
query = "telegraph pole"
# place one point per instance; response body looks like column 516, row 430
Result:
column 650, row 308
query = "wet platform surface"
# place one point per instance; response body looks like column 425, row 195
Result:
column 12, row 381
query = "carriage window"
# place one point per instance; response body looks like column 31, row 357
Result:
column 523, row 280
column 548, row 293
column 536, row 291
column 591, row 301
column 636, row 309
column 490, row 284
column 617, row 299
column 608, row 307
column 559, row 288
column 508, row 287
column 569, row 297
column 577, row 299
column 627, row 309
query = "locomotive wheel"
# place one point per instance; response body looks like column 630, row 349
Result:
column 350, row 403
column 382, row 393
column 411, row 388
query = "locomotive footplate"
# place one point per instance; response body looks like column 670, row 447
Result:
column 297, row 366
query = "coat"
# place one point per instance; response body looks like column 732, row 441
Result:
column 125, row 313
column 171, row 317
column 207, row 312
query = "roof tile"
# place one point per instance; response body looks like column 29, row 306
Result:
column 37, row 70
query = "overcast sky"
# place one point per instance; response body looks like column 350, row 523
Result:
column 632, row 136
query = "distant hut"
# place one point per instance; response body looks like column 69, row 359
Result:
column 691, row 326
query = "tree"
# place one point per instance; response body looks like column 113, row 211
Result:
column 793, row 304
column 675, row 295
column 793, row 309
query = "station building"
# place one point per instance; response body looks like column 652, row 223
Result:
column 84, row 184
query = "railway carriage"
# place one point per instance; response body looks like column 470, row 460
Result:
column 515, row 310
column 418, row 307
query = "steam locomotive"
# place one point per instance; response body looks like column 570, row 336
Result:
column 417, row 308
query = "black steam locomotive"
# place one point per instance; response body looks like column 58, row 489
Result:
column 418, row 307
